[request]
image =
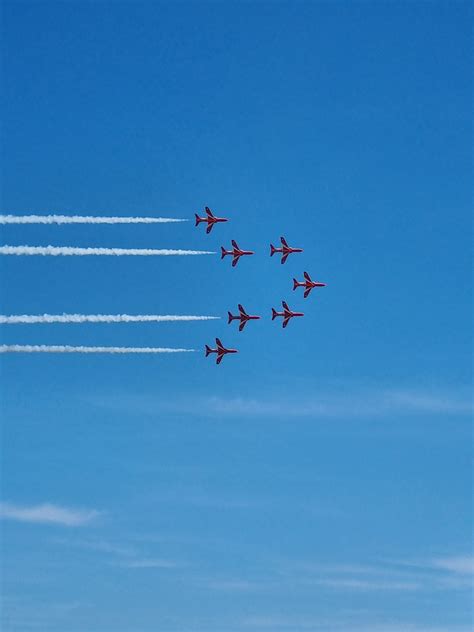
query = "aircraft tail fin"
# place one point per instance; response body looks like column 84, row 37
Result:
column 274, row 314
column 231, row 318
column 295, row 284
column 272, row 250
column 223, row 252
column 208, row 350
column 198, row 219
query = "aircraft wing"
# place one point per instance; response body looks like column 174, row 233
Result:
column 285, row 306
column 219, row 358
column 242, row 310
column 307, row 277
column 209, row 212
column 242, row 325
column 220, row 346
column 306, row 294
column 284, row 242
column 234, row 243
column 286, row 320
column 235, row 260
column 209, row 227
column 285, row 257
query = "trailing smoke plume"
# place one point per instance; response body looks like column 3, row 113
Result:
column 84, row 219
column 98, row 318
column 69, row 349
column 69, row 251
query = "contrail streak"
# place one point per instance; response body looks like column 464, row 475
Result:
column 69, row 349
column 84, row 219
column 98, row 318
column 66, row 251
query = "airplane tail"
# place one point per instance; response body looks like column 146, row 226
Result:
column 198, row 219
column 231, row 318
column 272, row 250
column 295, row 284
column 208, row 350
column 274, row 314
column 223, row 252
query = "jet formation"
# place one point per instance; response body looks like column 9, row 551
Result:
column 287, row 314
column 220, row 351
column 211, row 220
column 243, row 317
column 236, row 253
column 285, row 250
column 307, row 283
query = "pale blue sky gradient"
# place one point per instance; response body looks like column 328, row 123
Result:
column 321, row 478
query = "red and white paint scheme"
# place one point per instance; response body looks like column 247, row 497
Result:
column 236, row 253
column 285, row 249
column 286, row 314
column 210, row 219
column 308, row 284
column 243, row 317
column 220, row 350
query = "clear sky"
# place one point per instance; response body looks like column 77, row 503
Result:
column 320, row 479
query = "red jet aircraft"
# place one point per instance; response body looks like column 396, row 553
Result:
column 220, row 350
column 286, row 313
column 243, row 317
column 236, row 253
column 210, row 219
column 308, row 284
column 285, row 250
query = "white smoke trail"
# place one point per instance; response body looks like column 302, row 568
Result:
column 65, row 251
column 99, row 318
column 84, row 219
column 69, row 349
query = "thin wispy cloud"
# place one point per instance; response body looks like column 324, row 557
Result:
column 243, row 504
column 463, row 565
column 272, row 622
column 349, row 403
column 122, row 554
column 339, row 623
column 375, row 403
column 460, row 565
column 105, row 547
column 33, row 613
column 432, row 575
column 430, row 403
column 365, row 585
column 231, row 585
column 48, row 513
column 150, row 563
column 211, row 501
column 350, row 578
column 381, row 577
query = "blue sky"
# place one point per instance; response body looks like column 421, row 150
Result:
column 320, row 479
